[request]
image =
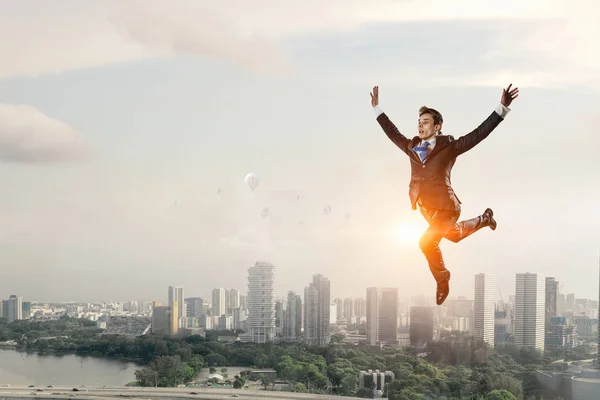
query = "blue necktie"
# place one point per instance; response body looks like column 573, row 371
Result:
column 422, row 151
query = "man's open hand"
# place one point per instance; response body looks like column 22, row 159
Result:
column 375, row 96
column 508, row 95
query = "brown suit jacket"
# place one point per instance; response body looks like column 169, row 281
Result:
column 430, row 182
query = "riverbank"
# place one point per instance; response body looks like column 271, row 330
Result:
column 30, row 368
column 59, row 353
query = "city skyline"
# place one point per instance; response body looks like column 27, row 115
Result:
column 497, row 294
column 124, row 144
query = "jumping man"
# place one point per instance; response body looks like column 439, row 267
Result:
column 432, row 156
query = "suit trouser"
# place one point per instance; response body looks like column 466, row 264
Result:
column 443, row 224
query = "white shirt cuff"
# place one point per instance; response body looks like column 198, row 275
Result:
column 377, row 110
column 502, row 110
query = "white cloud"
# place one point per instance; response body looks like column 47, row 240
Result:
column 28, row 135
column 41, row 37
column 186, row 27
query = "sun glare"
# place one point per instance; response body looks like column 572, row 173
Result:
column 408, row 232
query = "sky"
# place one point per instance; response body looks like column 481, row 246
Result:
column 127, row 129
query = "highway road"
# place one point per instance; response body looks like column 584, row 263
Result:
column 151, row 393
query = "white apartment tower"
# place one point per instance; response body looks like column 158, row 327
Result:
column 233, row 300
column 530, row 304
column 484, row 308
column 176, row 295
column 219, row 302
column 261, row 303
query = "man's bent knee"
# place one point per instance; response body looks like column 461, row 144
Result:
column 426, row 244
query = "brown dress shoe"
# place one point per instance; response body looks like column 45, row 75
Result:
column 488, row 216
column 443, row 289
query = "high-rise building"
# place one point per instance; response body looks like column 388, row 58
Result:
column 360, row 309
column 161, row 319
column 382, row 316
column 175, row 320
column 219, row 302
column 339, row 307
column 243, row 301
column 311, row 314
column 232, row 300
column 12, row 309
column 484, row 308
column 279, row 316
column 292, row 328
column 570, row 302
column 530, row 310
column 261, row 303
column 551, row 310
column 317, row 310
column 421, row 326
column 348, row 310
column 194, row 307
column 176, row 295
column 26, row 309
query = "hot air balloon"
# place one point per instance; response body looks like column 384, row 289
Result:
column 326, row 209
column 252, row 181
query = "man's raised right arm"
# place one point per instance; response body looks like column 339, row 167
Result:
column 388, row 126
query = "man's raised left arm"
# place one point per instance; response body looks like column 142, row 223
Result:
column 473, row 138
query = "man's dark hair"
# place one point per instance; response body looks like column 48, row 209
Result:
column 437, row 117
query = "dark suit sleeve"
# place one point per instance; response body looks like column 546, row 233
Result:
column 472, row 139
column 393, row 133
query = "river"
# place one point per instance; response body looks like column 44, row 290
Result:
column 17, row 368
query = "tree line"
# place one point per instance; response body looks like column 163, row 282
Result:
column 453, row 368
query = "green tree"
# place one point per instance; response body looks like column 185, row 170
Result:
column 215, row 359
column 507, row 383
column 261, row 361
column 196, row 362
column 500, row 394
column 407, row 394
column 239, row 382
column 165, row 371
column 300, row 388
column 337, row 337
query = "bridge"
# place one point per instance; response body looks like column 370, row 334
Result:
column 152, row 393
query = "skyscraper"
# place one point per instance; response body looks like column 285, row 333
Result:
column 233, row 300
column 161, row 319
column 382, row 316
column 317, row 309
column 176, row 295
column 552, row 286
column 175, row 322
column 484, row 308
column 194, row 307
column 12, row 309
column 421, row 326
column 219, row 302
column 261, row 303
column 530, row 310
column 292, row 328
